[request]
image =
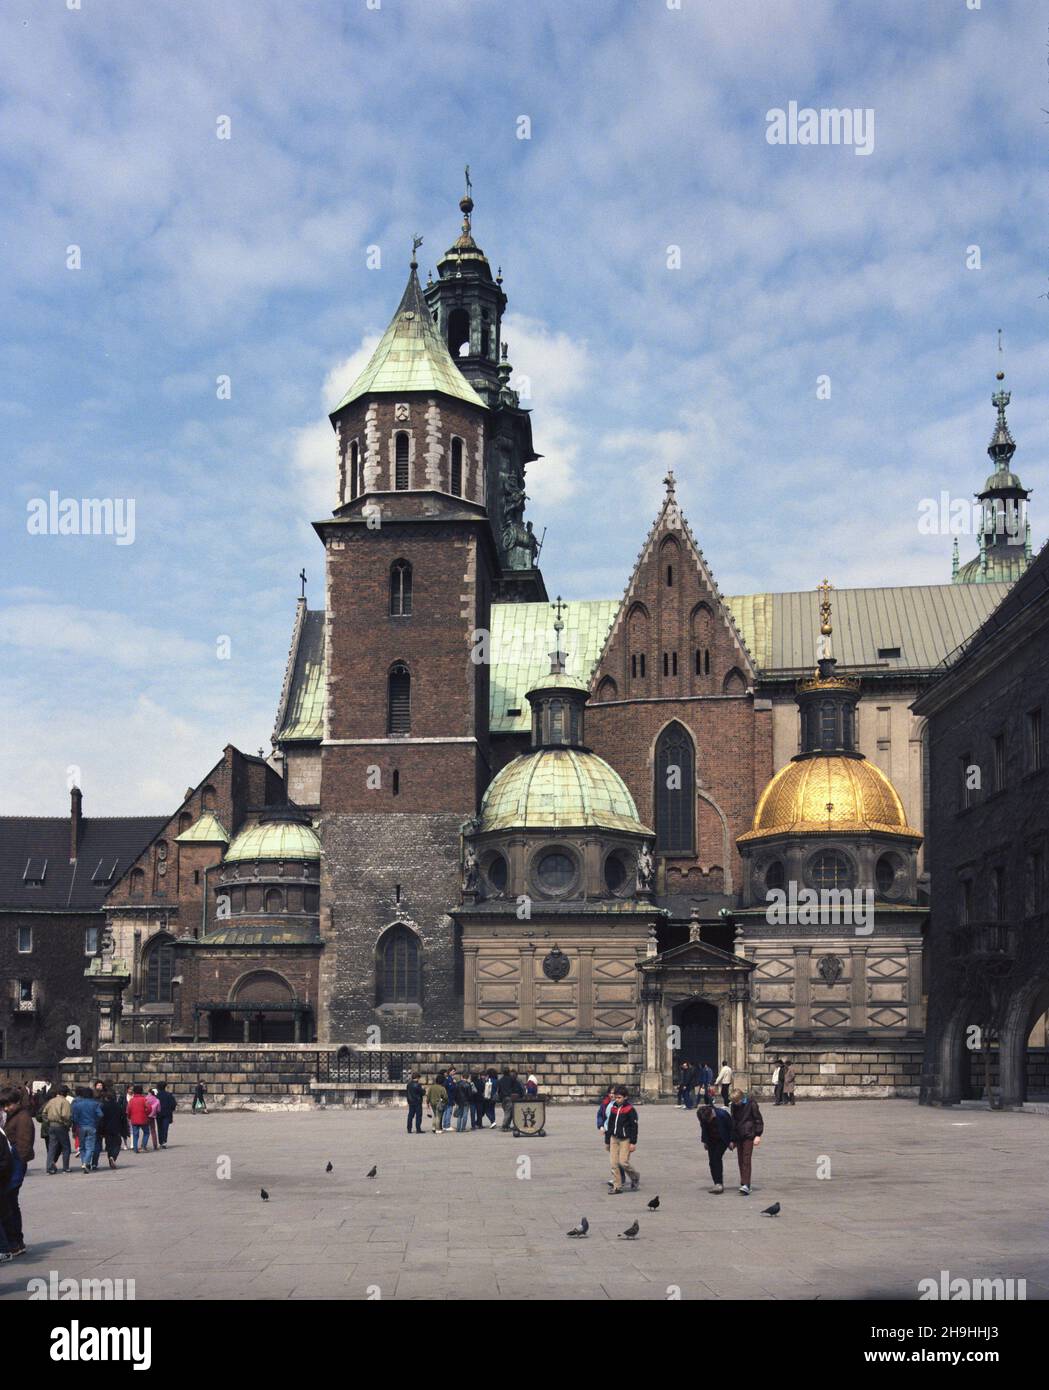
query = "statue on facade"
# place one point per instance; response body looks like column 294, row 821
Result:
column 470, row 871
column 646, row 868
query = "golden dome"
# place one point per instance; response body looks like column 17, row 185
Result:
column 829, row 795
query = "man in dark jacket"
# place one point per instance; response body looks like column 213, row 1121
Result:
column 685, row 1081
column 20, row 1132
column 414, row 1092
column 508, row 1087
column 166, row 1113
column 747, row 1129
column 6, row 1165
column 715, row 1132
column 621, row 1139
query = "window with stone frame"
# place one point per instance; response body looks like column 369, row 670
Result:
column 400, row 461
column 400, row 589
column 158, row 969
column 457, row 468
column 675, row 791
column 399, row 704
column 399, row 976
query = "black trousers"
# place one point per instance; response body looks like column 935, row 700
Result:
column 716, row 1159
column 724, row 1094
column 415, row 1112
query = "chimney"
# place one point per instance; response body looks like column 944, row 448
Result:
column 75, row 821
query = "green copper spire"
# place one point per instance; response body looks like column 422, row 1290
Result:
column 412, row 355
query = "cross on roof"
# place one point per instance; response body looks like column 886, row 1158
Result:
column 302, row 580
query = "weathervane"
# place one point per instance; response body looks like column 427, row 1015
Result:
column 417, row 241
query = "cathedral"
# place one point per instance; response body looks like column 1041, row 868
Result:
column 669, row 825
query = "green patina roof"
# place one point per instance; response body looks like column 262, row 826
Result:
column 304, row 717
column 207, row 830
column 274, row 840
column 522, row 640
column 412, row 356
column 559, row 788
column 275, row 934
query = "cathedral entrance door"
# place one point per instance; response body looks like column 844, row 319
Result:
column 698, row 1022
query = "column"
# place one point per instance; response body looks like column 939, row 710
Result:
column 469, row 989
column 914, row 988
column 585, row 987
column 526, row 995
column 802, row 986
column 858, row 1008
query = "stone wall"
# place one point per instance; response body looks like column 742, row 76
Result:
column 277, row 1076
column 874, row 1072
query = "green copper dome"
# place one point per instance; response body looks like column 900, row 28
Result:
column 564, row 788
column 275, row 839
column 207, row 830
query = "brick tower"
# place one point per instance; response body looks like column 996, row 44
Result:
column 413, row 558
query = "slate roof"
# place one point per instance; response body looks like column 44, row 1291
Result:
column 925, row 621
column 108, row 845
column 412, row 356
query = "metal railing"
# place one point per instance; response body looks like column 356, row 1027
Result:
column 361, row 1067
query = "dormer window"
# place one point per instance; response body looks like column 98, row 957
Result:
column 35, row 872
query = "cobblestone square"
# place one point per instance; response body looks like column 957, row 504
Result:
column 912, row 1191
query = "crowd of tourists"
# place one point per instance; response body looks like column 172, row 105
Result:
column 455, row 1103
column 75, row 1126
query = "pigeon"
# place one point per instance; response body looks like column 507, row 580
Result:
column 654, row 1204
column 373, row 1171
column 580, row 1231
column 330, row 1168
column 264, row 1194
column 771, row 1211
column 631, row 1232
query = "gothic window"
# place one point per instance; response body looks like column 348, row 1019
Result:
column 675, row 792
column 457, row 467
column 706, row 661
column 607, row 690
column 670, row 576
column 673, row 663
column 400, row 469
column 355, row 487
column 666, row 663
column 398, row 967
column 400, row 589
column 733, row 684
column 158, row 968
column 399, row 719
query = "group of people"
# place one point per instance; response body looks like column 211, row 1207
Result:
column 784, row 1078
column 458, row 1102
column 738, row 1127
column 697, row 1085
column 94, row 1118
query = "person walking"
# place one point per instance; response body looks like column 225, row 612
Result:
column 414, row 1094
column 602, row 1115
column 437, row 1099
column 138, row 1115
column 166, row 1112
column 704, row 1084
column 86, row 1114
column 747, row 1129
column 491, row 1094
column 153, row 1102
column 20, row 1132
column 200, row 1098
column 715, row 1132
column 451, row 1083
column 790, row 1080
column 621, row 1139
column 57, row 1115
column 685, row 1082
column 724, row 1080
column 778, row 1071
column 114, row 1120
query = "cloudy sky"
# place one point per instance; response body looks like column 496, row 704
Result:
column 350, row 123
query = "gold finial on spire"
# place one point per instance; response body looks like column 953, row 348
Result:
column 825, row 592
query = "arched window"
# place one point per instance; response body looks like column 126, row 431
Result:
column 400, row 589
column 607, row 690
column 734, row 684
column 158, row 967
column 457, row 467
column 207, row 798
column 399, row 720
column 459, row 333
column 675, row 792
column 137, row 883
column 398, row 968
column 355, row 455
column 185, row 820
column 400, row 469
column 274, row 900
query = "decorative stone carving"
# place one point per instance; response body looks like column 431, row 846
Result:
column 556, row 965
column 469, row 870
column 830, row 968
